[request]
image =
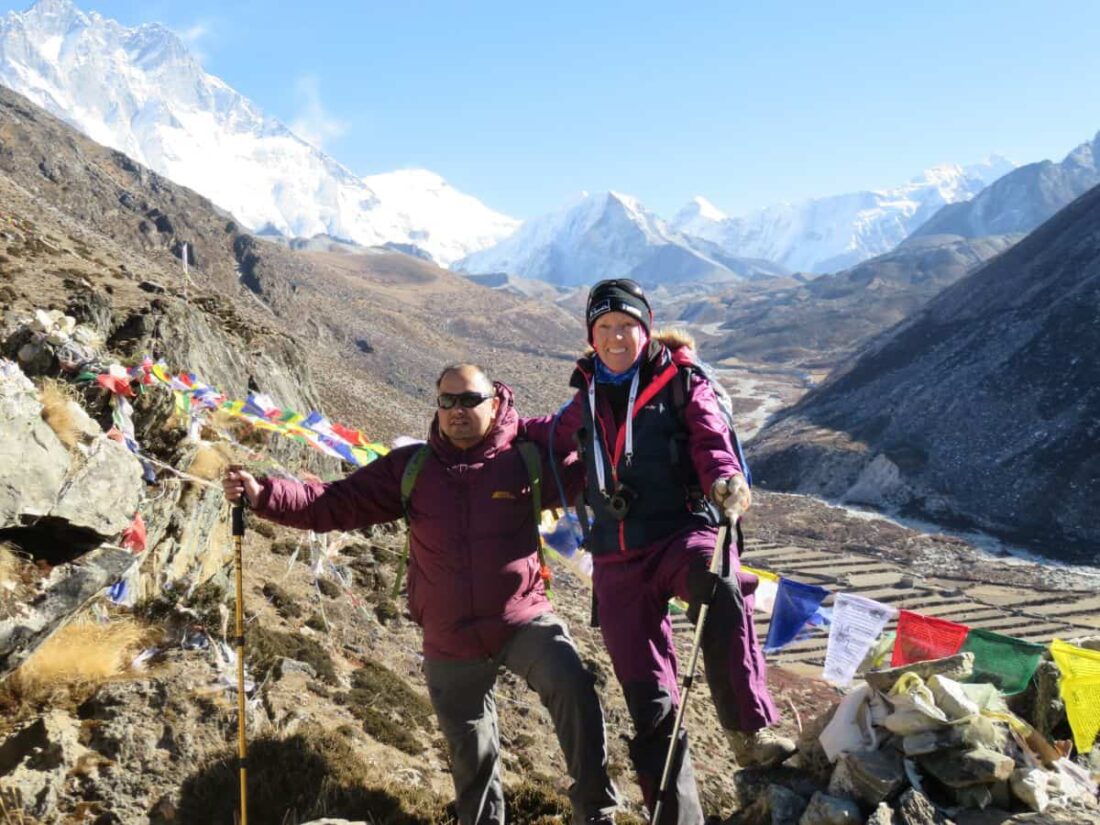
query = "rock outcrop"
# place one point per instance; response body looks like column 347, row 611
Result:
column 58, row 504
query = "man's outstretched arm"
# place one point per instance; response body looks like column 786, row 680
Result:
column 368, row 496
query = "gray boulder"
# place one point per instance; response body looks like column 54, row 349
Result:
column 98, row 490
column 830, row 810
column 66, row 503
column 68, row 588
column 33, row 461
column 102, row 491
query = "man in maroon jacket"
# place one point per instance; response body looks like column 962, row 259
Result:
column 474, row 586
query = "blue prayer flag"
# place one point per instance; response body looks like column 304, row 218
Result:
column 565, row 538
column 795, row 605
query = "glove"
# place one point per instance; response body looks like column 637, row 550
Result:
column 733, row 495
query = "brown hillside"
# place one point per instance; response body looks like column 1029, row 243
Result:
column 375, row 329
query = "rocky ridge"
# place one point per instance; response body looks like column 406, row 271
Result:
column 373, row 328
column 1022, row 199
column 979, row 410
column 814, row 325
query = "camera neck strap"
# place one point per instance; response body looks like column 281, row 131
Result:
column 624, row 438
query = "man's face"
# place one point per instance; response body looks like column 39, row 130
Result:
column 466, row 426
column 617, row 338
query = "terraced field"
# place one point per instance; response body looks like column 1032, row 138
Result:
column 1033, row 614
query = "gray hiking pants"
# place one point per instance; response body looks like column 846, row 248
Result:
column 542, row 653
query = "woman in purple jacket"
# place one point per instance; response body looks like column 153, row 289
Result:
column 660, row 471
column 474, row 585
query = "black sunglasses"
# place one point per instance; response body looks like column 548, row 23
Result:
column 469, row 400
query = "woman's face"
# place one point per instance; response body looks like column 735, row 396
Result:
column 618, row 339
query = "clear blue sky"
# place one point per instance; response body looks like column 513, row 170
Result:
column 748, row 103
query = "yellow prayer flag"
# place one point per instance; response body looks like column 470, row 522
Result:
column 1080, row 689
column 377, row 448
column 1075, row 662
column 1082, row 698
column 764, row 575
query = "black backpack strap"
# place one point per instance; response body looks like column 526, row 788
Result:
column 680, row 391
column 408, row 482
column 679, row 452
column 531, row 460
column 680, row 387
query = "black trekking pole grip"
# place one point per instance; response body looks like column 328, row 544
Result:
column 238, row 515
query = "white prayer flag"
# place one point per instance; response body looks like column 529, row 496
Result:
column 766, row 589
column 857, row 623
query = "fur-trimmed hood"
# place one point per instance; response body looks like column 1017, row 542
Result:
column 675, row 339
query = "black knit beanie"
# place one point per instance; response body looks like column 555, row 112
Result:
column 619, row 295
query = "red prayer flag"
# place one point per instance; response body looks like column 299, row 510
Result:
column 925, row 637
column 133, row 537
column 353, row 437
column 117, row 385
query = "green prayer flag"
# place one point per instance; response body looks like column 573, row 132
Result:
column 1006, row 662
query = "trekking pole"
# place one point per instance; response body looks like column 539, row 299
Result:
column 242, row 740
column 689, row 677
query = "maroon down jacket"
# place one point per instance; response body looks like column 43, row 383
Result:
column 473, row 574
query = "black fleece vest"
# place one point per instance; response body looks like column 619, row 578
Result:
column 660, row 478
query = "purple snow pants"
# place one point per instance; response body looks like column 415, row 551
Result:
column 632, row 596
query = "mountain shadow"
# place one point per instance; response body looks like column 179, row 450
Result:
column 299, row 778
column 980, row 411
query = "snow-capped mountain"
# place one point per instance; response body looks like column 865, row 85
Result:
column 1022, row 199
column 833, row 233
column 698, row 217
column 138, row 90
column 608, row 235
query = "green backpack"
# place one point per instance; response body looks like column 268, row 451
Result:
column 530, row 455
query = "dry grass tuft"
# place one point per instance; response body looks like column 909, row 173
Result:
column 69, row 668
column 82, row 654
column 264, row 648
column 57, row 400
column 11, row 808
column 210, row 462
column 9, row 565
column 222, row 423
column 380, row 698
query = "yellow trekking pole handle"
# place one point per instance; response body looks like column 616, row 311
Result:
column 242, row 739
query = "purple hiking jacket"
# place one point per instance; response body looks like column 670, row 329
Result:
column 709, row 444
column 473, row 574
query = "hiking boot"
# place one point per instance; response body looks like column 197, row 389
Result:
column 762, row 748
